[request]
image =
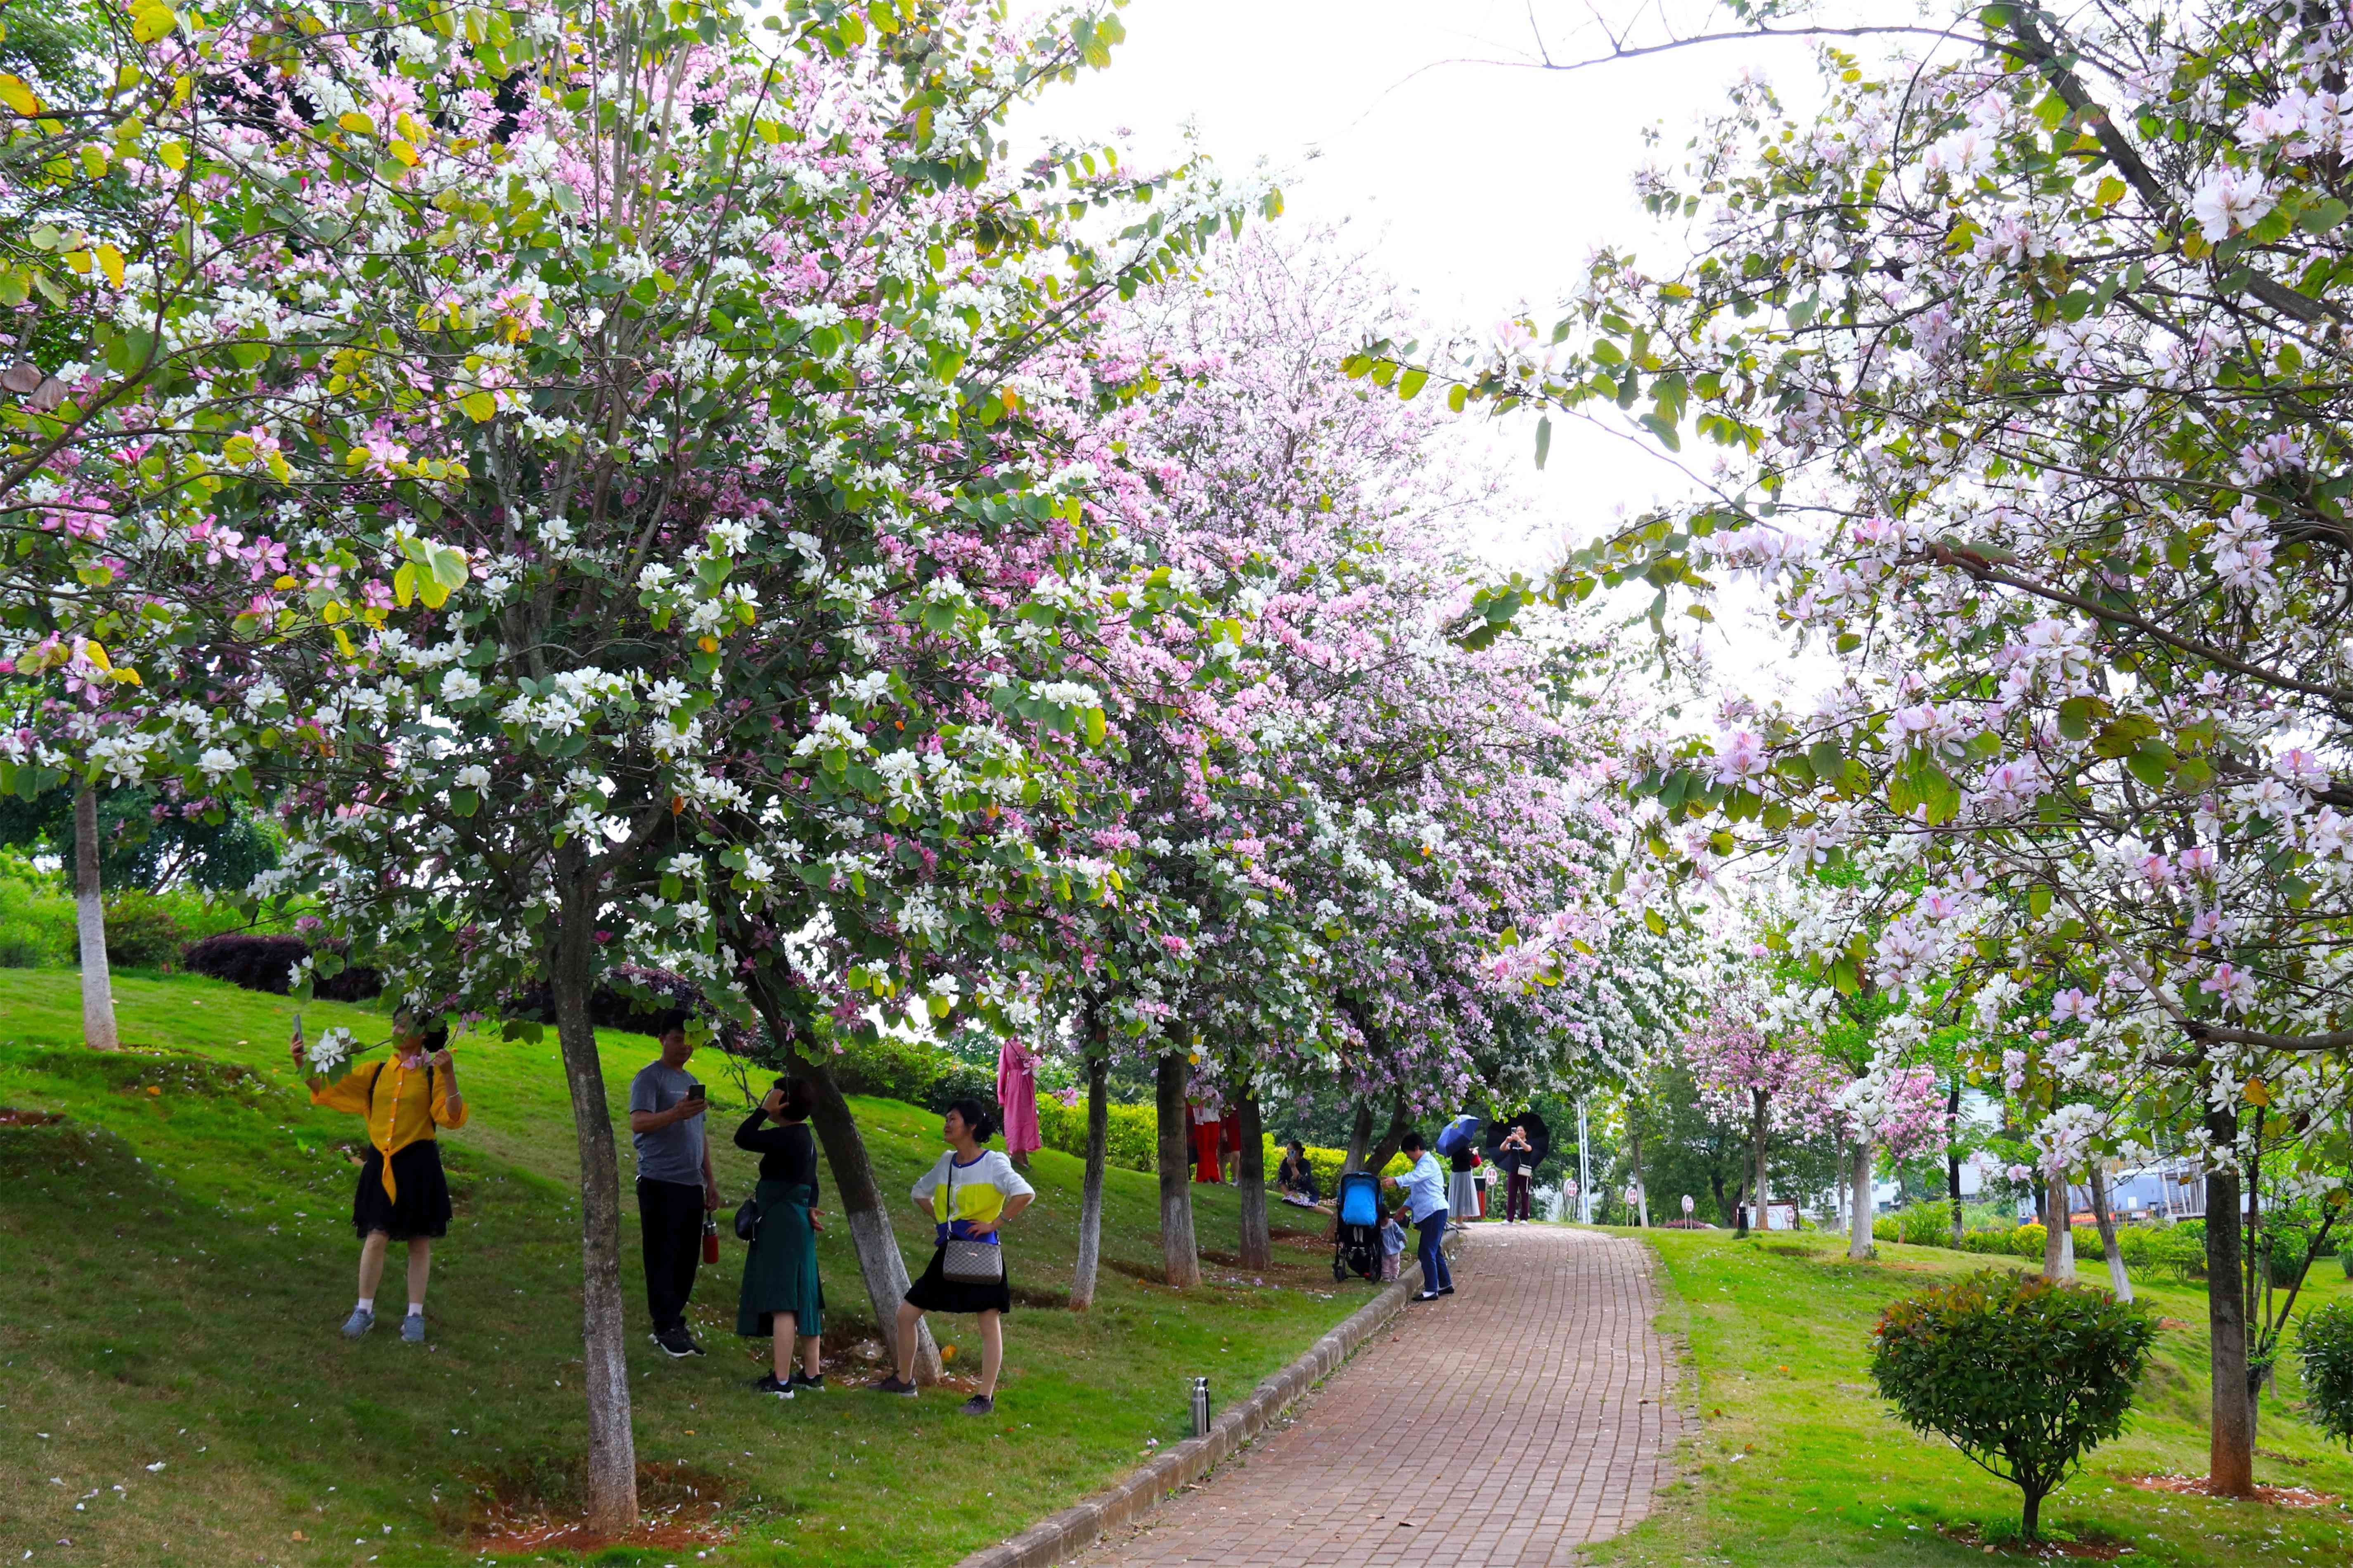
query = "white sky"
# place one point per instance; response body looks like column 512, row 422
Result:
column 1480, row 187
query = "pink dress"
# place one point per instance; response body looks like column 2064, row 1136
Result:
column 1017, row 1096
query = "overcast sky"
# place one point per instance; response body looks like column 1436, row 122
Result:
column 1481, row 185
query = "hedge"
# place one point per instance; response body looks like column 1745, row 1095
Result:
column 2179, row 1249
column 1131, row 1140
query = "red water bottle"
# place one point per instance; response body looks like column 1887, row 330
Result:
column 709, row 1238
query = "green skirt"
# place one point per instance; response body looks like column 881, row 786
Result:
column 780, row 1275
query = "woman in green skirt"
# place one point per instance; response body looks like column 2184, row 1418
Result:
column 782, row 1298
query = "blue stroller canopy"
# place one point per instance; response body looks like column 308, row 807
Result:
column 1360, row 1199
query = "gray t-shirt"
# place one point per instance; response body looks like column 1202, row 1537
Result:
column 672, row 1154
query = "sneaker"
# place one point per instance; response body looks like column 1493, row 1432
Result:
column 802, row 1380
column 894, row 1383
column 1427, row 1296
column 359, row 1322
column 979, row 1405
column 766, row 1383
column 678, row 1344
column 412, row 1328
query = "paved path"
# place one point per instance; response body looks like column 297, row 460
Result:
column 1502, row 1426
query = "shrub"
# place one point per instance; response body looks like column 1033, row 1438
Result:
column 2021, row 1375
column 259, row 961
column 22, row 949
column 142, row 932
column 2323, row 1348
column 1131, row 1134
column 2284, row 1251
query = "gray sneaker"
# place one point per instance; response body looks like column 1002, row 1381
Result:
column 412, row 1328
column 359, row 1322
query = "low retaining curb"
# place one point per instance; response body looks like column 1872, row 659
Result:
column 1062, row 1536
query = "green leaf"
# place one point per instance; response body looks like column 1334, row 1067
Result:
column 1411, row 382
column 1543, row 439
column 2322, row 215
column 2152, row 763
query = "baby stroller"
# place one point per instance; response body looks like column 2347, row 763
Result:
column 1356, row 1237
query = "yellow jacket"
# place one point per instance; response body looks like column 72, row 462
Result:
column 399, row 1107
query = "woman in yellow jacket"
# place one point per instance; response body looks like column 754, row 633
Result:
column 402, row 1195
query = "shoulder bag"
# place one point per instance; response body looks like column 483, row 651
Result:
column 963, row 1261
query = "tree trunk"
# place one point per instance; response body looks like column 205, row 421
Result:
column 1082, row 1281
column 1180, row 1257
column 1642, row 1192
column 1386, row 1149
column 864, row 1207
column 1953, row 1163
column 1757, row 1143
column 90, row 917
column 2231, row 1456
column 1249, row 1175
column 2058, row 1233
column 612, row 1479
column 2106, row 1220
column 1360, row 1136
column 1858, row 1243
column 2029, row 1527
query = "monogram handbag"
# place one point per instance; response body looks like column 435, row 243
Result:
column 963, row 1261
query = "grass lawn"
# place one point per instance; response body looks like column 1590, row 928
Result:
column 1797, row 1460
column 175, row 1258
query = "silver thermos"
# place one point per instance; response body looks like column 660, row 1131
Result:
column 1200, row 1407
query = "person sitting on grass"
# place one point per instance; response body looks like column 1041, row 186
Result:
column 782, row 1296
column 402, row 1195
column 1425, row 1195
column 967, row 1195
column 1295, row 1178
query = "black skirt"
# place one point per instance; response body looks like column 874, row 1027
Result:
column 422, row 1208
column 935, row 1292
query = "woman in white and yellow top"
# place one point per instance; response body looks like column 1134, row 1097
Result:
column 971, row 1192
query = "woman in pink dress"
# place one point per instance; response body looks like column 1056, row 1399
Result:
column 1016, row 1097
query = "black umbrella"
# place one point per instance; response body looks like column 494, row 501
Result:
column 1539, row 1138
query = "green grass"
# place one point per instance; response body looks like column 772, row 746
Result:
column 1796, row 1460
column 174, row 1266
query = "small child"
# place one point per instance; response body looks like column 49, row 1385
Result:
column 1392, row 1248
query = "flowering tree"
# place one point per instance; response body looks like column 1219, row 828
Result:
column 2025, row 378
column 1769, row 1081
column 607, row 464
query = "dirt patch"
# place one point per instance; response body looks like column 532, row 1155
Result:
column 2201, row 1486
column 10, row 1116
column 2094, row 1548
column 535, row 1509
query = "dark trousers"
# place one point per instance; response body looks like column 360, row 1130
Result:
column 1515, row 1196
column 1434, row 1273
column 669, row 1219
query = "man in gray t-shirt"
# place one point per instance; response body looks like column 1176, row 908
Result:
column 675, row 1188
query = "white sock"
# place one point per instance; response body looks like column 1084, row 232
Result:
column 417, row 1309
column 367, row 1304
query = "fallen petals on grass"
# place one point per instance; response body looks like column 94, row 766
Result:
column 2201, row 1486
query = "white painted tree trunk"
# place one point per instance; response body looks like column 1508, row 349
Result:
column 1857, row 1244
column 89, row 916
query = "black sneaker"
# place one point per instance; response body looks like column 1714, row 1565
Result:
column 894, row 1383
column 766, row 1383
column 979, row 1405
column 802, row 1380
column 678, row 1344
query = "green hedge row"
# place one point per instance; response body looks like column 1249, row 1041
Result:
column 2178, row 1249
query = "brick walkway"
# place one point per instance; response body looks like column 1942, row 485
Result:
column 1502, row 1426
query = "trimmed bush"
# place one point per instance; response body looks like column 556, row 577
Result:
column 2023, row 1377
column 1131, row 1134
column 2323, row 1350
column 257, row 962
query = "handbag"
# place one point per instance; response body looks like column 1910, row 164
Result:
column 747, row 1220
column 963, row 1261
